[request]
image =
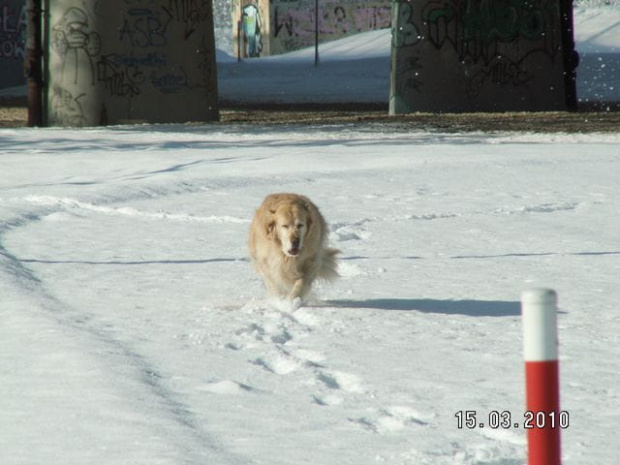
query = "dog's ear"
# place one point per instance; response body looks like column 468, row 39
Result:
column 305, row 205
column 270, row 227
column 270, row 223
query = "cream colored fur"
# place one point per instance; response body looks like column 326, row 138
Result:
column 288, row 238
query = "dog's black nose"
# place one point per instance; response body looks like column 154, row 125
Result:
column 295, row 243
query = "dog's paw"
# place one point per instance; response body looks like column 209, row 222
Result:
column 285, row 305
column 295, row 304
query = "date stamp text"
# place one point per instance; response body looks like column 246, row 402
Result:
column 471, row 419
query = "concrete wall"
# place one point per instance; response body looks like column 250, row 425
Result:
column 131, row 61
column 13, row 23
column 478, row 55
column 289, row 25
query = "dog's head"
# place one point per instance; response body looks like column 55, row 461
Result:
column 289, row 226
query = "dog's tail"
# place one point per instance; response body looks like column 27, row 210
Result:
column 329, row 265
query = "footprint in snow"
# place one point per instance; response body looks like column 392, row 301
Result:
column 266, row 332
column 280, row 364
column 392, row 420
column 225, row 387
column 312, row 357
column 350, row 232
column 339, row 380
column 328, row 400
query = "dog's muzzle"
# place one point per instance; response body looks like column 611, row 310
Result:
column 294, row 250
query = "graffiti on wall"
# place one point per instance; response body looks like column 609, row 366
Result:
column 405, row 35
column 157, row 46
column 491, row 42
column 293, row 22
column 66, row 109
column 496, row 36
column 78, row 44
column 146, row 23
column 252, row 25
column 13, row 23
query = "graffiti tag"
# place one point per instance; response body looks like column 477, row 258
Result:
column 12, row 33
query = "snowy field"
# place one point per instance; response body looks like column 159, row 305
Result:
column 135, row 332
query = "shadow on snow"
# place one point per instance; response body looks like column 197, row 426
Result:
column 446, row 307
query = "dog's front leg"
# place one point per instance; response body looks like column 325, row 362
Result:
column 297, row 290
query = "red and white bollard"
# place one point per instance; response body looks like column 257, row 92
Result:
column 540, row 344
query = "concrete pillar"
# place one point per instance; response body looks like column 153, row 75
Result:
column 129, row 61
column 482, row 55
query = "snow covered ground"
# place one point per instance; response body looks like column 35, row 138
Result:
column 134, row 331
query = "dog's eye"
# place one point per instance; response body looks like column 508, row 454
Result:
column 299, row 226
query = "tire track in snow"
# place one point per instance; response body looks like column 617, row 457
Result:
column 74, row 204
column 120, row 363
column 353, row 228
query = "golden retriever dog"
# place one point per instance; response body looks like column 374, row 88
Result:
column 288, row 238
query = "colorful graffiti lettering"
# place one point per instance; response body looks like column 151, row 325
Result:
column 338, row 20
column 170, row 81
column 13, row 49
column 404, row 32
column 13, row 23
column 294, row 27
column 372, row 17
column 252, row 25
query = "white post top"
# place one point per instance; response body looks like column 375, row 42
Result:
column 540, row 295
column 539, row 314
